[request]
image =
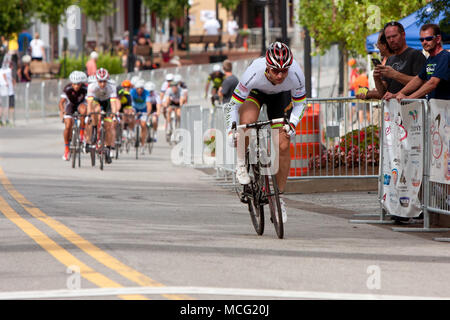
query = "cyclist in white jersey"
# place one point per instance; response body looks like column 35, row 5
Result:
column 102, row 96
column 277, row 81
column 165, row 85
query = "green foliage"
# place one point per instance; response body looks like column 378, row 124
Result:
column 229, row 4
column 350, row 22
column 15, row 16
column 438, row 6
column 96, row 10
column 52, row 11
column 111, row 63
column 167, row 8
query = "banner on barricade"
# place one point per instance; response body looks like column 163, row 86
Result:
column 440, row 141
column 402, row 158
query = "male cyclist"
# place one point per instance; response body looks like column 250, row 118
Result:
column 126, row 108
column 216, row 77
column 174, row 100
column 155, row 101
column 165, row 85
column 73, row 98
column 277, row 81
column 102, row 96
column 142, row 105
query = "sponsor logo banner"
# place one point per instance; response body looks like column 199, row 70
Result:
column 440, row 141
column 402, row 158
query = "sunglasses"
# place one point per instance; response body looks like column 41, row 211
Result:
column 277, row 71
column 427, row 38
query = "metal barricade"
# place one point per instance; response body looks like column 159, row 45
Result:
column 435, row 187
column 337, row 138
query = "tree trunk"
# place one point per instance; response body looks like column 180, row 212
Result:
column 97, row 37
column 54, row 49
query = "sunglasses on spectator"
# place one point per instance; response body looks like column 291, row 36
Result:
column 277, row 71
column 427, row 38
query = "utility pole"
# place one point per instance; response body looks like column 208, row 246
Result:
column 307, row 62
column 284, row 36
column 130, row 7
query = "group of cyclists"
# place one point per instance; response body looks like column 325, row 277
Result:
column 275, row 80
column 133, row 101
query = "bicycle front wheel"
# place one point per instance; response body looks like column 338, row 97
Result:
column 273, row 196
column 74, row 145
column 254, row 190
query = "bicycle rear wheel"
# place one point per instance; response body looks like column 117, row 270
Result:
column 93, row 145
column 273, row 195
column 118, row 139
column 254, row 198
column 74, row 145
column 102, row 148
column 150, row 141
column 138, row 140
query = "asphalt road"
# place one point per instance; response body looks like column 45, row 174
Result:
column 148, row 229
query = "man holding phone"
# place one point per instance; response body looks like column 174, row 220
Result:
column 385, row 53
column 400, row 68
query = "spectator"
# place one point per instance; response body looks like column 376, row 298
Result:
column 143, row 33
column 211, row 27
column 124, row 41
column 13, row 49
column 385, row 53
column 232, row 28
column 353, row 76
column 24, row 72
column 91, row 65
column 434, row 78
column 229, row 84
column 138, row 65
column 24, row 42
column 37, row 48
column 8, row 82
column 401, row 67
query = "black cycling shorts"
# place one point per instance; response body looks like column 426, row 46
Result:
column 104, row 104
column 71, row 108
column 277, row 104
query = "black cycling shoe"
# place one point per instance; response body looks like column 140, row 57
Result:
column 108, row 158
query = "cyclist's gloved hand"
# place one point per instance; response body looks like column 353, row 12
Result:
column 232, row 139
column 290, row 129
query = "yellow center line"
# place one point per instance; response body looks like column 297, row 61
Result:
column 59, row 253
column 92, row 250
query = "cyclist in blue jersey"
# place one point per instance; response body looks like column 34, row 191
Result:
column 142, row 104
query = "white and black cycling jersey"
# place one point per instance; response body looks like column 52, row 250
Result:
column 96, row 92
column 254, row 78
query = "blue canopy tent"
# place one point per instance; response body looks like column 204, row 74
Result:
column 412, row 28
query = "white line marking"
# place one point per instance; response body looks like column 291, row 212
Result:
column 18, row 295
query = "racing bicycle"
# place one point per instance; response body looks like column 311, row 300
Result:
column 263, row 186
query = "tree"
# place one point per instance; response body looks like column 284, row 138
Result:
column 348, row 23
column 167, row 8
column 96, row 10
column 229, row 4
column 15, row 15
column 52, row 12
column 438, row 7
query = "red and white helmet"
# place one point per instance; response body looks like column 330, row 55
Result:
column 102, row 74
column 279, row 56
